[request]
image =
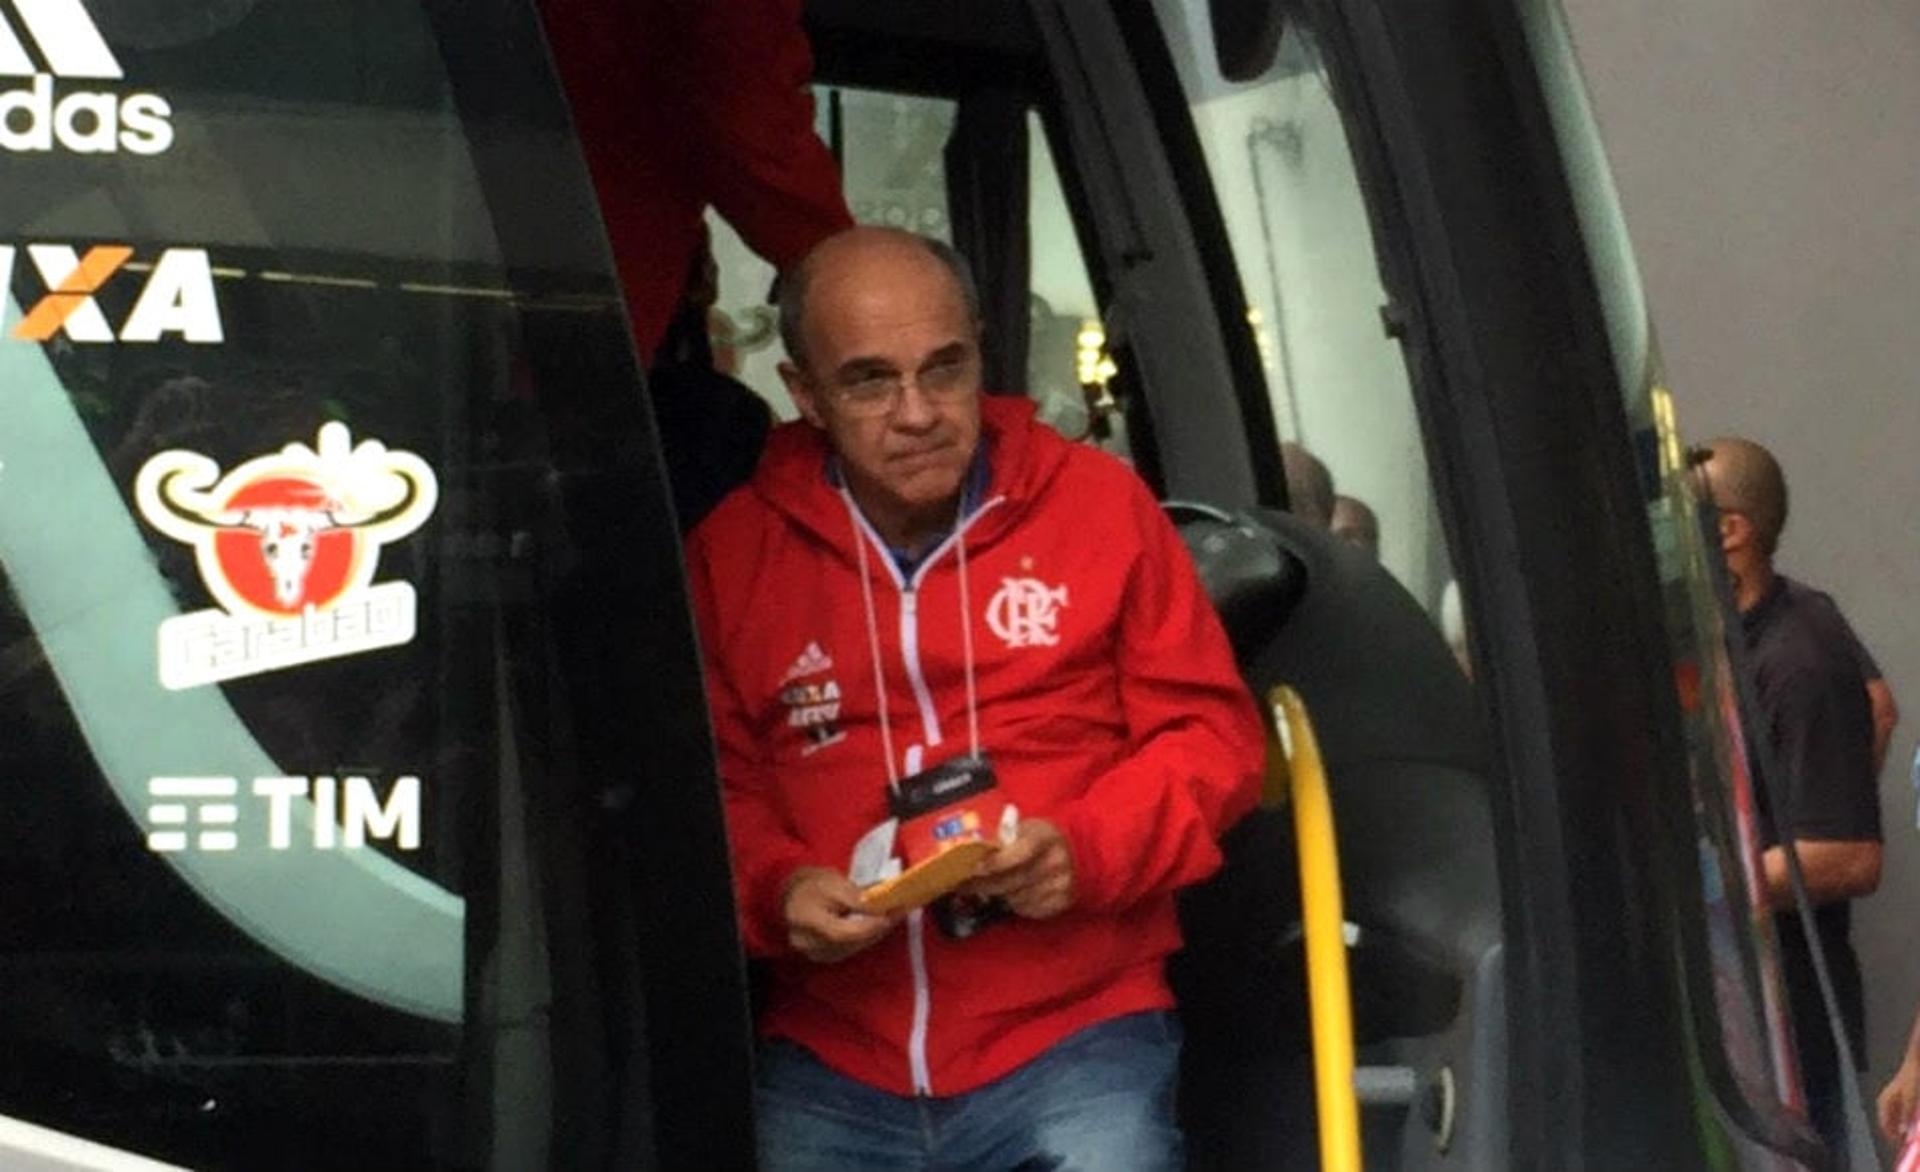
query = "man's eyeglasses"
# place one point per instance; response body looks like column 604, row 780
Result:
column 878, row 392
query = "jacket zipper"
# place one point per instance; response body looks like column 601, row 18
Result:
column 922, row 1003
column 930, row 727
column 910, row 653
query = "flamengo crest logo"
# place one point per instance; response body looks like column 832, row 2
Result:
column 287, row 544
column 1025, row 612
column 35, row 117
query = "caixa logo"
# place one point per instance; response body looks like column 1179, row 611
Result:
column 176, row 299
column 56, row 108
column 287, row 544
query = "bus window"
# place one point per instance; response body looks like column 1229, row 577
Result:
column 1281, row 165
column 1741, row 1003
column 894, row 150
column 322, row 458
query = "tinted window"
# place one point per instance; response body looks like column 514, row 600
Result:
column 1747, row 997
column 326, row 497
column 1310, row 279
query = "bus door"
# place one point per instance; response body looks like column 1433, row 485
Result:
column 1384, row 236
column 1154, row 325
column 358, row 803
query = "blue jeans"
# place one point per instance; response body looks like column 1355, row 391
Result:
column 1098, row 1100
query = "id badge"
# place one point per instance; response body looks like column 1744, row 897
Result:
column 955, row 802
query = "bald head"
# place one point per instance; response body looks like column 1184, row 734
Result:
column 1744, row 478
column 849, row 251
column 1354, row 522
column 1309, row 484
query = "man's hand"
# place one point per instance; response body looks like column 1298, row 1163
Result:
column 824, row 921
column 1033, row 873
column 1897, row 1102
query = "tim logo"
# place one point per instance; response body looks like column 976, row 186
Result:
column 48, row 110
column 177, row 299
column 206, row 814
column 1026, row 612
column 288, row 545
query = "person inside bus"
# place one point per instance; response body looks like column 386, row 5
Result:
column 1817, row 726
column 922, row 574
column 1354, row 522
column 680, row 105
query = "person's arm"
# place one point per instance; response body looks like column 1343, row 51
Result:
column 1832, row 870
column 787, row 900
column 1886, row 717
column 1898, row 1098
column 744, row 74
column 1151, row 824
column 1832, row 799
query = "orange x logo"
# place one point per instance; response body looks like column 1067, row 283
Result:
column 77, row 290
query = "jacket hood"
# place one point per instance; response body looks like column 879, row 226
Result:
column 1023, row 454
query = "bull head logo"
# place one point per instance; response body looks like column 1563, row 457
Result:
column 296, row 529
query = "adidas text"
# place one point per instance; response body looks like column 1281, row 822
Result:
column 86, row 122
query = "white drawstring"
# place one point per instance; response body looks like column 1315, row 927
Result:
column 873, row 639
column 966, row 645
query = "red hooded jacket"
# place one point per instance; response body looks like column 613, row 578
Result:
column 1108, row 703
column 684, row 103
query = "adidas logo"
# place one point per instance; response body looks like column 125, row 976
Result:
column 812, row 662
column 37, row 116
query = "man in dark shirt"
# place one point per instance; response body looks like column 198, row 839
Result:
column 1817, row 726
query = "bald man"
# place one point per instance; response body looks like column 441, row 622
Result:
column 1817, row 721
column 922, row 576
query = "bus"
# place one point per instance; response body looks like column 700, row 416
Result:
column 361, row 805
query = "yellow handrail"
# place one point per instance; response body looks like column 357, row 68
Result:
column 1324, row 922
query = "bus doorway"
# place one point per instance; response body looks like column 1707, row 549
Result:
column 361, row 802
column 1345, row 257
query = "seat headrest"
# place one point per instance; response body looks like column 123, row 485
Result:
column 1253, row 582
